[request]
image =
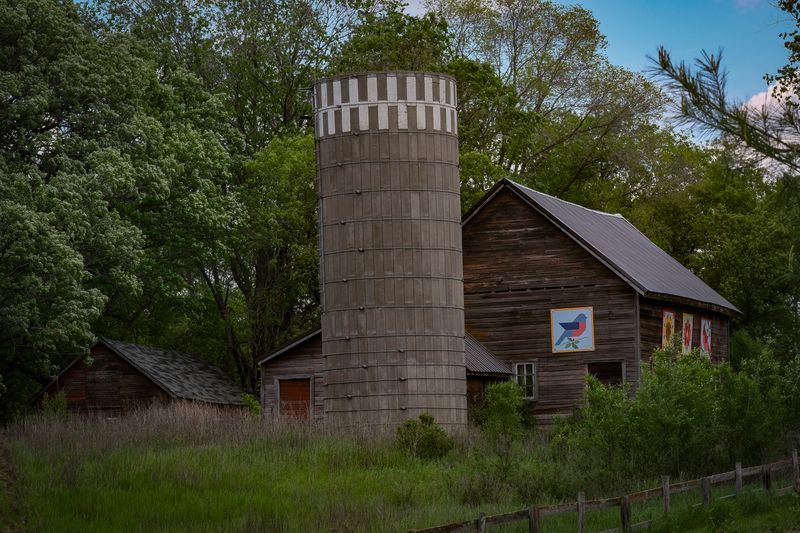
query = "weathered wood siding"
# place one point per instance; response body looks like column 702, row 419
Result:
column 651, row 315
column 304, row 360
column 517, row 267
column 109, row 384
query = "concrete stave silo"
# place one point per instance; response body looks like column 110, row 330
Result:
column 390, row 244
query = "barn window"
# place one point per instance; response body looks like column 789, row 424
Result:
column 607, row 372
column 525, row 376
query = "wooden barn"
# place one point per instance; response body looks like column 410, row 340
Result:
column 293, row 376
column 559, row 291
column 121, row 376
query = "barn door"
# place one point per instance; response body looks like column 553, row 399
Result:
column 295, row 397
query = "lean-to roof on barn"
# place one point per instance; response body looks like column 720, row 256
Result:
column 479, row 360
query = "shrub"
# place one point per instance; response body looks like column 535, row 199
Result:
column 690, row 416
column 54, row 405
column 252, row 404
column 501, row 421
column 502, row 413
column 424, row 438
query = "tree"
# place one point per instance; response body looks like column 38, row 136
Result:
column 542, row 103
column 750, row 253
column 771, row 132
column 107, row 163
column 386, row 38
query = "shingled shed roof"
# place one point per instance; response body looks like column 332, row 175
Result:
column 479, row 360
column 181, row 375
column 617, row 243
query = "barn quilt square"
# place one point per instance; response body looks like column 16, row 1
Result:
column 572, row 329
column 667, row 328
column 705, row 335
column 687, row 327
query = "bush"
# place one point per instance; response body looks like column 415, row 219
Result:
column 54, row 405
column 502, row 413
column 252, row 404
column 424, row 438
column 690, row 416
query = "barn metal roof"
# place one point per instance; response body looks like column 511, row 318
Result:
column 181, row 375
column 620, row 246
column 479, row 360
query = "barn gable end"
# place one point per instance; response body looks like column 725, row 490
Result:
column 109, row 384
column 518, row 267
column 527, row 254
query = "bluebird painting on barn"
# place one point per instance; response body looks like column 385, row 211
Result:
column 572, row 329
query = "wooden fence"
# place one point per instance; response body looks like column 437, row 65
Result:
column 534, row 514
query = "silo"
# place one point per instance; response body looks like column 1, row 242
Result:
column 390, row 244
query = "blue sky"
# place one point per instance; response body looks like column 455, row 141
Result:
column 746, row 30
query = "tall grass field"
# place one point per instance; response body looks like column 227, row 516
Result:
column 195, row 469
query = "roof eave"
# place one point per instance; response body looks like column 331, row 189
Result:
column 54, row 380
column 730, row 311
column 289, row 345
column 490, row 374
column 135, row 365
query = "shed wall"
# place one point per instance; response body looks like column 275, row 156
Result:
column 517, row 267
column 110, row 385
column 301, row 361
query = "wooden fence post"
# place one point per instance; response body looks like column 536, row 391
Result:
column 482, row 523
column 625, row 513
column 533, row 519
column 795, row 471
column 665, row 492
column 766, row 476
column 705, row 487
column 738, row 477
column 581, row 512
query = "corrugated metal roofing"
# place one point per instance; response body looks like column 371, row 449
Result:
column 180, row 374
column 625, row 249
column 482, row 361
column 479, row 360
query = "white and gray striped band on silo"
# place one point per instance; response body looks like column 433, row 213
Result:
column 392, row 101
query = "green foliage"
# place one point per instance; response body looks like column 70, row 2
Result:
column 252, row 404
column 690, row 416
column 55, row 405
column 389, row 39
column 502, row 413
column 424, row 438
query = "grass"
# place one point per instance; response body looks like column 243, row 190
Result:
column 186, row 468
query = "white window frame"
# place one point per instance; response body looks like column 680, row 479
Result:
column 534, row 373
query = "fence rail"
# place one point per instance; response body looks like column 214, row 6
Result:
column 534, row 514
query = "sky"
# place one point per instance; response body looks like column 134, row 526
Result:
column 746, row 31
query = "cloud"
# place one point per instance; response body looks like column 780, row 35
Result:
column 747, row 5
column 765, row 101
column 762, row 100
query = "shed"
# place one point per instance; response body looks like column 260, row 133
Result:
column 559, row 291
column 120, row 376
column 293, row 376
